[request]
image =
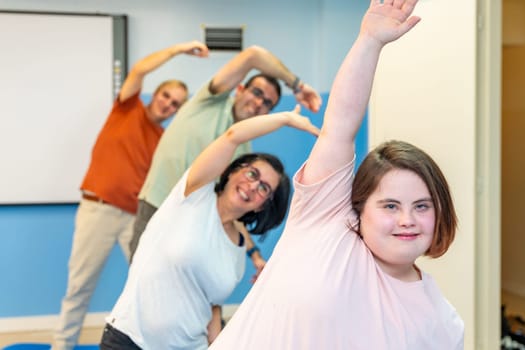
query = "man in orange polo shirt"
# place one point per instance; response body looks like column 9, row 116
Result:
column 120, row 161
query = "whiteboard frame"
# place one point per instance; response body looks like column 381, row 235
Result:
column 60, row 74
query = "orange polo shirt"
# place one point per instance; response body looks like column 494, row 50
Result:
column 122, row 155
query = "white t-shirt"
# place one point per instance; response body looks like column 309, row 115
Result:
column 322, row 288
column 184, row 264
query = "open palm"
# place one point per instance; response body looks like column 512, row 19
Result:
column 389, row 20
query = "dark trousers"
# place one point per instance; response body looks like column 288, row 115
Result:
column 144, row 213
column 113, row 339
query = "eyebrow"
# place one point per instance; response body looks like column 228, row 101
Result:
column 174, row 102
column 260, row 179
column 424, row 200
column 391, row 200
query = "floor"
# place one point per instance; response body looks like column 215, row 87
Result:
column 88, row 336
column 515, row 305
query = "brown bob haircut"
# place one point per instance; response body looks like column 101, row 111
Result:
column 401, row 155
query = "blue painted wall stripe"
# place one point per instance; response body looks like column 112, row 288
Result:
column 36, row 239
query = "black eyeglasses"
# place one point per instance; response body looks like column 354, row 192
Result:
column 258, row 93
column 252, row 174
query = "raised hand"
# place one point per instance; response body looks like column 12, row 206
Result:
column 388, row 21
column 300, row 122
column 309, row 98
column 195, row 48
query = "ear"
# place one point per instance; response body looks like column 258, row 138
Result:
column 240, row 89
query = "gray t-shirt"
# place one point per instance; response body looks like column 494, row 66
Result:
column 199, row 122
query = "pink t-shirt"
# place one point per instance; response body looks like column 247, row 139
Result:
column 322, row 288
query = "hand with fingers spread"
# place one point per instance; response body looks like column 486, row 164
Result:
column 388, row 21
column 308, row 97
column 301, row 122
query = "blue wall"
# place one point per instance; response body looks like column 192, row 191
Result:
column 36, row 239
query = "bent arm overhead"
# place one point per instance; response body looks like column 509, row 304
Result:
column 216, row 157
column 256, row 57
column 135, row 78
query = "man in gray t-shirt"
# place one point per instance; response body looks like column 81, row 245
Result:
column 207, row 115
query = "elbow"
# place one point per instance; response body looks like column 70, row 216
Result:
column 231, row 134
column 253, row 52
column 254, row 49
column 138, row 71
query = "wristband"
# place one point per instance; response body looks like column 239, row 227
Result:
column 252, row 250
column 296, row 85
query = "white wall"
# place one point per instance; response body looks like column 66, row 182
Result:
column 425, row 93
column 339, row 23
column 287, row 28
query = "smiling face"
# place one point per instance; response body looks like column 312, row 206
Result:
column 397, row 221
column 166, row 102
column 246, row 186
column 259, row 97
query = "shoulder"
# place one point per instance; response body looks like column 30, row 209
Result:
column 202, row 102
column 130, row 102
column 330, row 191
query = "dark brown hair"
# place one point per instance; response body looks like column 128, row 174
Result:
column 275, row 208
column 271, row 80
column 402, row 155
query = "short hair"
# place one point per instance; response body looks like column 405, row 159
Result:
column 176, row 82
column 275, row 207
column 273, row 81
column 401, row 155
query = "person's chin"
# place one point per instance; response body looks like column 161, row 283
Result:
column 250, row 112
column 243, row 116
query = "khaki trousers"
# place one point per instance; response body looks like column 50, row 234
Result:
column 98, row 227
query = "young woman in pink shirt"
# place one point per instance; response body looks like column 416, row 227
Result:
column 343, row 274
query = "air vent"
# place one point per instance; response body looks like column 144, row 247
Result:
column 223, row 38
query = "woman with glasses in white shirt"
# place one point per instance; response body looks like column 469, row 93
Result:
column 191, row 255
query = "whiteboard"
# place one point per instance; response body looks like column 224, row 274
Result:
column 55, row 92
